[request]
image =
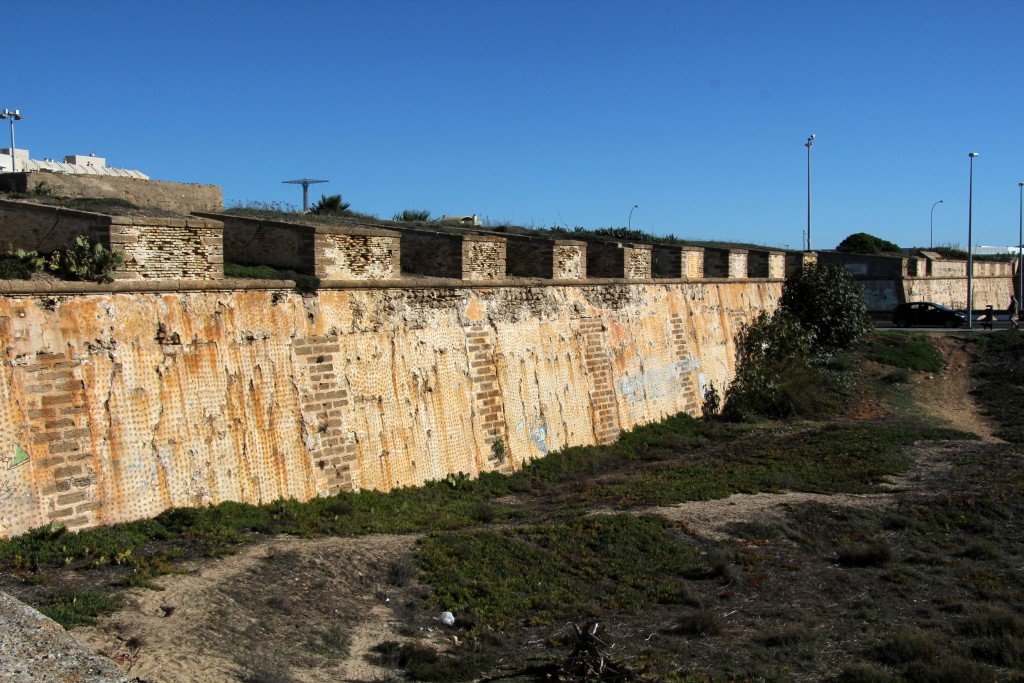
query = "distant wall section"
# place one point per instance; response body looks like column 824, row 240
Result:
column 181, row 198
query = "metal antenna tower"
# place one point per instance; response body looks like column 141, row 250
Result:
column 305, row 182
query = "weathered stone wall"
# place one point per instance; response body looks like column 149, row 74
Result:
column 864, row 265
column 483, row 258
column 738, row 263
column 257, row 242
column 952, row 292
column 349, row 255
column 168, row 248
column 795, row 260
column 570, row 260
column 180, row 198
column 678, row 262
column 36, row 227
column 115, row 406
column 159, row 248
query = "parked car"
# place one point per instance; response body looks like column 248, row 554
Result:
column 928, row 314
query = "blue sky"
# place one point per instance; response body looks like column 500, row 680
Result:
column 564, row 112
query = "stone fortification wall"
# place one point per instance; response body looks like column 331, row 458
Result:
column 952, row 292
column 891, row 280
column 865, row 265
column 158, row 248
column 115, row 406
column 330, row 253
column 157, row 194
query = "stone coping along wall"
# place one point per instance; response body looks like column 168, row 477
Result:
column 182, row 198
column 155, row 248
column 328, row 252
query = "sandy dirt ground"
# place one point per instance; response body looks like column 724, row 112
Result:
column 311, row 610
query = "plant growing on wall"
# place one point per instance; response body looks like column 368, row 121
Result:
column 86, row 259
column 412, row 216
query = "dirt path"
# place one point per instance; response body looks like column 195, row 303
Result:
column 311, row 610
column 947, row 395
column 291, row 609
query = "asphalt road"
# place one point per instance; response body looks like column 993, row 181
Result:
column 883, row 321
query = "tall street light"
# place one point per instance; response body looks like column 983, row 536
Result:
column 808, row 145
column 931, row 225
column 970, row 249
column 629, row 224
column 13, row 116
column 1020, row 247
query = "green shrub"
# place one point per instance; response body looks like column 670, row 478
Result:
column 777, row 373
column 828, row 302
column 71, row 608
column 20, row 264
column 863, row 243
column 86, row 259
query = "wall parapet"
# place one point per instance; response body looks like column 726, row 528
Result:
column 682, row 262
column 767, row 263
column 328, row 252
column 155, row 247
column 625, row 260
column 725, row 263
column 545, row 258
column 464, row 256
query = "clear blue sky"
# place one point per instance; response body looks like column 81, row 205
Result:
column 561, row 112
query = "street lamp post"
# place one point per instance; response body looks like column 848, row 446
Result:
column 629, row 224
column 970, row 249
column 1020, row 247
column 808, row 145
column 13, row 116
column 931, row 226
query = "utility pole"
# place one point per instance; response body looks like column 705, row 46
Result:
column 305, row 182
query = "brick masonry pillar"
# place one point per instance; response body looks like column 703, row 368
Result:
column 688, row 365
column 598, row 363
column 59, row 440
column 489, row 415
column 323, row 400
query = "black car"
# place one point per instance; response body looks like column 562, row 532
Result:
column 928, row 314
